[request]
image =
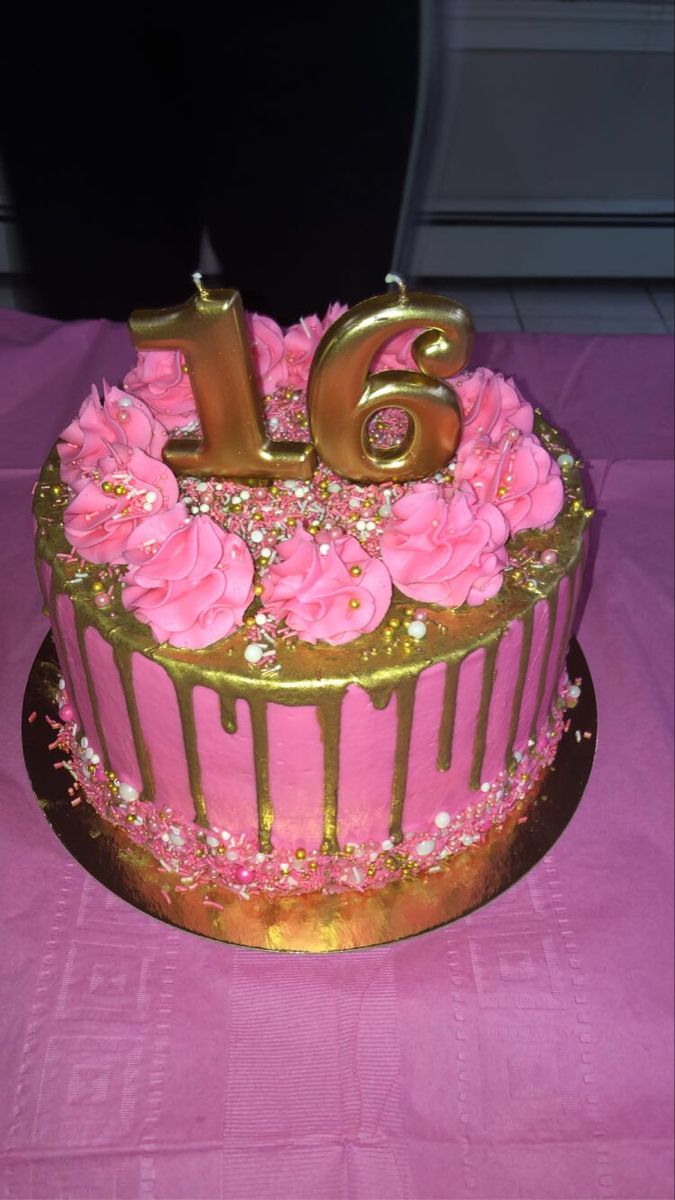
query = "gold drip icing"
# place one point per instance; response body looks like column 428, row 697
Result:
column 572, row 580
column 329, row 713
column 405, row 706
column 186, row 709
column 258, row 708
column 123, row 656
column 62, row 656
column 81, row 629
column 552, row 605
column 447, row 727
column 480, row 738
column 228, row 713
column 525, row 649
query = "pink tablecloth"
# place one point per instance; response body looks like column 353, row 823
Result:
column 523, row 1052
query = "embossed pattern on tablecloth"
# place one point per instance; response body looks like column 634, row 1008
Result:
column 524, row 1052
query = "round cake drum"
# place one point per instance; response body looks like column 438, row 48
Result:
column 316, row 923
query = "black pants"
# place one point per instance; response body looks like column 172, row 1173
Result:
column 284, row 129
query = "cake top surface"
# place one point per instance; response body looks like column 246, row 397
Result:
column 281, row 567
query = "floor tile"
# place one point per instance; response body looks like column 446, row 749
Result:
column 491, row 299
column 590, row 323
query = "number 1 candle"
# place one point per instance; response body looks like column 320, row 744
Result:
column 210, row 330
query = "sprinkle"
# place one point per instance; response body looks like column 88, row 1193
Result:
column 31, row 717
column 212, row 904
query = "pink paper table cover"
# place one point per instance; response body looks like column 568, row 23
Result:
column 523, row 1052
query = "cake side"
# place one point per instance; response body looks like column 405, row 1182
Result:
column 384, row 743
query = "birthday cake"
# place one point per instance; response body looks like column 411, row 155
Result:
column 313, row 683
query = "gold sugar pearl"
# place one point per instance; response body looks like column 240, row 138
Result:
column 313, row 865
column 387, row 634
column 501, row 491
column 301, row 853
column 355, row 571
column 119, row 489
column 57, row 489
column 394, row 623
column 258, row 590
column 354, row 603
column 106, row 486
column 97, row 586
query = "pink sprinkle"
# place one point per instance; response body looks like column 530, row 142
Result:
column 74, row 803
column 588, row 734
column 212, row 904
column 165, row 894
column 32, row 717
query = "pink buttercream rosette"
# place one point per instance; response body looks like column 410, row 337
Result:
column 131, row 486
column 159, row 379
column 188, row 579
column 444, row 546
column 517, row 474
column 121, row 418
column 327, row 588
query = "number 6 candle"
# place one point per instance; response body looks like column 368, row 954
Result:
column 343, row 396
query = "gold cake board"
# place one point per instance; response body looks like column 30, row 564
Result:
column 315, row 923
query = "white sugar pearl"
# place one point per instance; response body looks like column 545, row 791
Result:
column 388, row 844
column 266, row 553
column 467, row 839
column 485, row 787
column 517, row 754
column 84, row 742
column 353, row 503
column 361, row 525
column 565, row 460
column 176, row 839
column 211, row 840
column 202, row 486
column 127, row 793
column 89, row 754
column 324, row 548
column 151, row 497
column 125, row 402
column 257, row 536
column 417, row 629
column 574, row 691
column 95, row 759
column 273, row 422
column 370, row 525
column 442, row 820
column 203, row 508
column 260, row 619
column 244, row 495
column 253, row 653
column 62, row 684
column 291, row 484
column 385, row 510
column 424, row 848
column 334, row 488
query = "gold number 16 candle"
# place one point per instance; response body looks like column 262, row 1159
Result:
column 342, row 394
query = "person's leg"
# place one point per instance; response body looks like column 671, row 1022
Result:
column 98, row 164
column 305, row 186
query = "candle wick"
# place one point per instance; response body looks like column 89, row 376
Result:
column 401, row 285
column 197, row 280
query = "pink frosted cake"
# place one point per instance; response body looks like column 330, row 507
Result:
column 311, row 685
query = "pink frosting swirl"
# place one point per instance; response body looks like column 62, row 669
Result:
column 189, row 580
column 396, row 354
column 97, row 427
column 100, row 518
column 268, row 352
column 444, row 546
column 327, row 589
column 491, row 404
column 518, row 475
column 159, row 380
column 301, row 341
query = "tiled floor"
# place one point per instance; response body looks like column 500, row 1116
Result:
column 555, row 306
column 565, row 306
